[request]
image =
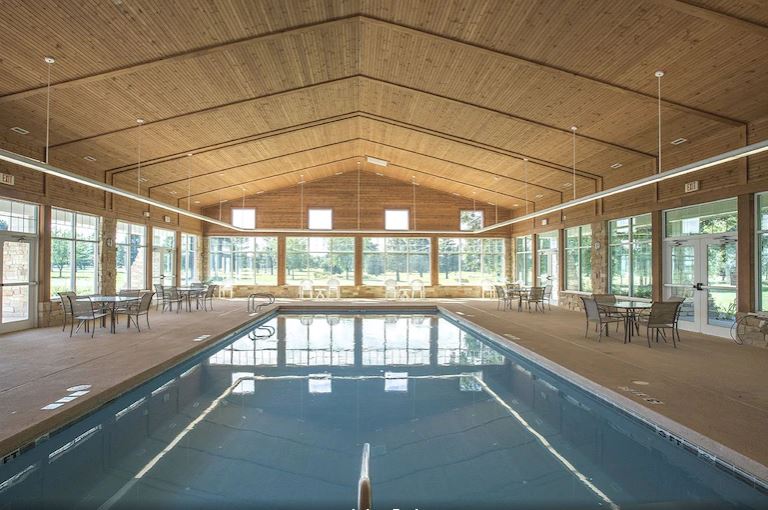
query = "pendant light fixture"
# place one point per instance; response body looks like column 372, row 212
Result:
column 49, row 61
column 658, row 75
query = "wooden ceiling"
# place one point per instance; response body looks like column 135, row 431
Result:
column 454, row 94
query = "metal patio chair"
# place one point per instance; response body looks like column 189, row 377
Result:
column 662, row 317
column 534, row 295
column 66, row 307
column 599, row 317
column 136, row 310
column 84, row 313
column 171, row 295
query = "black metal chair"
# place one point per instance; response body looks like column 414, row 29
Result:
column 84, row 312
column 136, row 310
column 600, row 317
column 208, row 296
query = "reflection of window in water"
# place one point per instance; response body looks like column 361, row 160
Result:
column 319, row 383
column 396, row 381
column 246, row 386
column 469, row 382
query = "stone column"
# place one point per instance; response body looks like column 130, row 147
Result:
column 202, row 257
column 599, row 258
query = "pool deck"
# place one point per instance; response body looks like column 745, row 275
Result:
column 709, row 385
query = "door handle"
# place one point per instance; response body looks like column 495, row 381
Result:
column 698, row 286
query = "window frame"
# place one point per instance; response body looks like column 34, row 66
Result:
column 761, row 237
column 631, row 244
column 527, row 255
column 251, row 224
column 407, row 219
column 131, row 227
column 74, row 239
column 330, row 254
column 164, row 250
column 485, row 251
column 409, row 252
column 228, row 251
column 474, row 211
column 580, row 247
column 186, row 276
column 310, row 210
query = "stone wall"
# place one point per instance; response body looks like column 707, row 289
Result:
column 353, row 291
column 599, row 258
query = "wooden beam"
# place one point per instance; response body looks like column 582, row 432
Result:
column 715, row 16
column 746, row 276
column 558, row 72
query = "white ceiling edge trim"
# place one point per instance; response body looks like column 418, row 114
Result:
column 33, row 164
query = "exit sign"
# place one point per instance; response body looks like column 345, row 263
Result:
column 6, row 179
column 691, row 186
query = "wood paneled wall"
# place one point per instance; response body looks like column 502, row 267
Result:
column 434, row 210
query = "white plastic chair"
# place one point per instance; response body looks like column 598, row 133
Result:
column 305, row 289
column 487, row 289
column 334, row 288
column 390, row 289
column 417, row 287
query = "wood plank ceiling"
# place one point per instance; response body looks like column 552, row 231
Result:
column 454, row 94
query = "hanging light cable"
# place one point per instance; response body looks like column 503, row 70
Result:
column 358, row 195
column 138, row 150
column 658, row 75
column 573, row 184
column 301, row 202
column 413, row 183
column 525, row 171
column 50, row 61
column 189, row 183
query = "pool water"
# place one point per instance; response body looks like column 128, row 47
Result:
column 276, row 418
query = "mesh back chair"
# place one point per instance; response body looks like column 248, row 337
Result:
column 681, row 300
column 171, row 295
column 548, row 296
column 67, row 309
column 334, row 288
column 486, row 289
column 662, row 317
column 136, row 310
column 502, row 297
column 535, row 295
column 82, row 310
column 596, row 315
column 390, row 289
column 207, row 298
column 160, row 295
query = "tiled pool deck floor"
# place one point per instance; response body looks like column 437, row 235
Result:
column 710, row 385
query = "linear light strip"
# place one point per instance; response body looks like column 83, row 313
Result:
column 741, row 152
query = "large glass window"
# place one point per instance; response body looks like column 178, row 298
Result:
column 243, row 260
column 244, row 217
column 470, row 261
column 163, row 256
column 524, row 260
column 131, row 245
column 18, row 216
column 395, row 258
column 578, row 258
column 190, row 272
column 320, row 258
column 710, row 218
column 762, row 251
column 470, row 220
column 74, row 252
column 548, row 265
column 629, row 253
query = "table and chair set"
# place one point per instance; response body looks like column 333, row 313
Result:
column 539, row 297
column 133, row 304
column 657, row 317
column 393, row 289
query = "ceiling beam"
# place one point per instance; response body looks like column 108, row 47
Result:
column 173, row 58
column 559, row 72
column 715, row 16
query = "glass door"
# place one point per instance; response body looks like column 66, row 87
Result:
column 19, row 295
column 703, row 272
column 547, row 262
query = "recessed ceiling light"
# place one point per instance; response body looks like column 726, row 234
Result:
column 616, row 165
column 260, row 192
column 189, row 154
column 491, row 203
column 49, row 60
column 21, row 131
column 455, row 194
column 89, row 158
column 302, row 182
column 222, row 201
column 174, row 192
column 380, row 174
column 496, row 177
column 139, row 121
column 196, row 202
column 339, row 173
column 377, row 161
column 221, row 175
column 143, row 179
column 567, row 185
column 539, row 196
column 678, row 141
column 515, row 205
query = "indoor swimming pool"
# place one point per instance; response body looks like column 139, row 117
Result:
column 276, row 417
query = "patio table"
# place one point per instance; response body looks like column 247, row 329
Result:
column 111, row 303
column 629, row 309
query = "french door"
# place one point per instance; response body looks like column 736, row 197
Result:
column 703, row 271
column 18, row 260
